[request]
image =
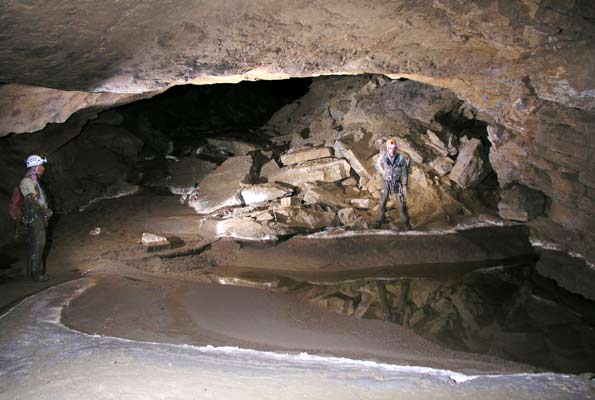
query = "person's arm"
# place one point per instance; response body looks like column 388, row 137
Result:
column 404, row 175
column 378, row 165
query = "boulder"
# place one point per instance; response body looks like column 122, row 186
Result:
column 358, row 157
column 572, row 273
column 521, row 203
column 349, row 182
column 269, row 168
column 435, row 143
column 325, row 170
column 233, row 146
column 241, row 228
column 364, row 204
column 222, row 187
column 347, row 216
column 442, row 165
column 470, row 168
column 310, row 218
column 404, row 146
column 319, row 195
column 306, row 154
column 153, row 242
column 290, row 201
column 264, row 192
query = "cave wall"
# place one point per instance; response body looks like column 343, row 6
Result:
column 524, row 65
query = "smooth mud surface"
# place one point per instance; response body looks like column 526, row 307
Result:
column 161, row 310
column 40, row 358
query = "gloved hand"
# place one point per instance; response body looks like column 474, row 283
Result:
column 48, row 214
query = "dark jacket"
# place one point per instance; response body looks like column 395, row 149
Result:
column 393, row 169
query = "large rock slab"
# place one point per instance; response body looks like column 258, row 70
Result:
column 309, row 218
column 471, row 167
column 306, row 154
column 521, row 203
column 242, row 229
column 254, row 194
column 222, row 187
column 325, row 170
column 358, row 157
column 269, row 168
column 320, row 195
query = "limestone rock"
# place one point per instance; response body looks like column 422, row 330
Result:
column 470, row 168
column 404, row 146
column 325, row 170
column 365, row 204
column 310, row 218
column 233, row 146
column 290, row 201
column 349, row 182
column 571, row 273
column 306, row 154
column 221, row 188
column 358, row 157
column 264, row 192
column 347, row 216
column 319, row 195
column 269, row 168
column 153, row 242
column 521, row 203
column 435, row 143
column 241, row 228
column 442, row 165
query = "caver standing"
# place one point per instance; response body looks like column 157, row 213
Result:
column 394, row 169
column 36, row 215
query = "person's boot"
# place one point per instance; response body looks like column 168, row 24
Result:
column 41, row 278
column 408, row 226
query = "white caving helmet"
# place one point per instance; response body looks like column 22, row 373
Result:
column 34, row 160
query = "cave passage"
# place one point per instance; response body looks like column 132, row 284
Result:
column 288, row 196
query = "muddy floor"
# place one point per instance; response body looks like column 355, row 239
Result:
column 175, row 296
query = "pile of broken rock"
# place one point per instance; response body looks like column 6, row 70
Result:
column 317, row 171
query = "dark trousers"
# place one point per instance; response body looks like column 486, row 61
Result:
column 36, row 244
column 387, row 189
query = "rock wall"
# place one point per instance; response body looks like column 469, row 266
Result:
column 500, row 56
column 525, row 66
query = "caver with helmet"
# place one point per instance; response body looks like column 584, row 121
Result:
column 394, row 169
column 36, row 215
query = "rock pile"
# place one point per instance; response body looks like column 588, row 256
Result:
column 325, row 176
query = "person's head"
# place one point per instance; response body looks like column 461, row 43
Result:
column 36, row 164
column 391, row 146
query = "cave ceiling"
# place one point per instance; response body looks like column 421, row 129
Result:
column 503, row 57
